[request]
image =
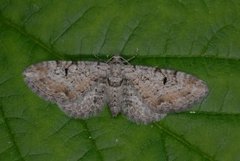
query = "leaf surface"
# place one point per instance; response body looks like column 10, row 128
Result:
column 198, row 37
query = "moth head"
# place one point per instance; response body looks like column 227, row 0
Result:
column 117, row 60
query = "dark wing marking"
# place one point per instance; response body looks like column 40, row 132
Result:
column 164, row 90
column 78, row 88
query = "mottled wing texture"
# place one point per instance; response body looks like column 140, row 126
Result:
column 143, row 94
column 77, row 87
column 162, row 90
column 135, row 108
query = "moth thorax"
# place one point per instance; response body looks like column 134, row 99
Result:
column 115, row 81
column 115, row 76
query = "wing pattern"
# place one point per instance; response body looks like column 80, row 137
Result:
column 78, row 88
column 164, row 90
column 143, row 94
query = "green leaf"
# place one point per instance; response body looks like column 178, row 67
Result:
column 198, row 37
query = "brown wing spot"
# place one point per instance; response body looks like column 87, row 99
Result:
column 159, row 101
column 169, row 97
column 69, row 94
column 191, row 81
column 82, row 86
column 41, row 69
column 42, row 80
column 155, row 101
column 175, row 95
column 61, row 88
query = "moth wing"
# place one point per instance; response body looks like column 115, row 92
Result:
column 78, row 88
column 135, row 108
column 164, row 90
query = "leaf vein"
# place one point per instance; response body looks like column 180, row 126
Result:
column 185, row 142
column 130, row 35
column 92, row 140
column 35, row 40
column 10, row 132
column 71, row 24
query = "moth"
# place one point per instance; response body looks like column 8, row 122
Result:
column 144, row 94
